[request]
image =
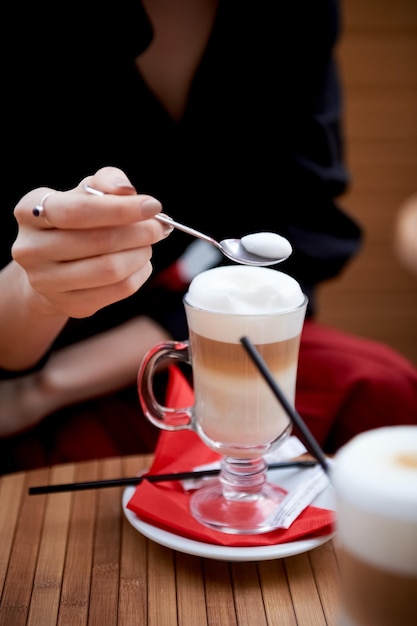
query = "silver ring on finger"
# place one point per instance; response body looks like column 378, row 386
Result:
column 39, row 209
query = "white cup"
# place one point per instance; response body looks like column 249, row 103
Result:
column 375, row 480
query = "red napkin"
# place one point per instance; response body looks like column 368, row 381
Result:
column 166, row 505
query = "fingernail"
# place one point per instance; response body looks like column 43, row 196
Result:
column 123, row 184
column 150, row 207
column 167, row 230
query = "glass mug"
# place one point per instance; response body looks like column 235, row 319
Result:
column 375, row 481
column 235, row 413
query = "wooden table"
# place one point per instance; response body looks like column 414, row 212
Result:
column 72, row 559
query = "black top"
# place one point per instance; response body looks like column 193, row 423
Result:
column 258, row 149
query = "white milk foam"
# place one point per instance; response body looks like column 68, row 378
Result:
column 375, row 478
column 245, row 297
column 269, row 245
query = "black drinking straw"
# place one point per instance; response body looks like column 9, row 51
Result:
column 310, row 442
column 152, row 478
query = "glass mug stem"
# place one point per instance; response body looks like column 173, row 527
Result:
column 243, row 479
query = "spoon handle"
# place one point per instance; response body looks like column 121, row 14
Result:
column 165, row 219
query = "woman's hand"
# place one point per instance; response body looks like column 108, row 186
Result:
column 86, row 251
column 74, row 254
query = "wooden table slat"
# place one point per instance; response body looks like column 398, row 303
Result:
column 190, row 590
column 326, row 573
column 219, row 593
column 79, row 557
column 278, row 602
column 133, row 566
column 18, row 584
column 162, row 593
column 11, row 489
column 249, row 602
column 104, row 593
column 302, row 585
column 47, row 582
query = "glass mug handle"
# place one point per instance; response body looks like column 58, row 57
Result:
column 162, row 416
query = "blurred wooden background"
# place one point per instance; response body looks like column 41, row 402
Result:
column 376, row 297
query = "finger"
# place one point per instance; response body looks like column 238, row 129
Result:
column 79, row 210
column 85, row 302
column 99, row 271
column 71, row 245
column 109, row 180
column 87, row 211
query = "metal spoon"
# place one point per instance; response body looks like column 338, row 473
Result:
column 233, row 249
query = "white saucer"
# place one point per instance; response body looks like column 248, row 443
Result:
column 287, row 479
